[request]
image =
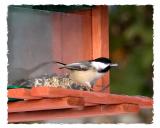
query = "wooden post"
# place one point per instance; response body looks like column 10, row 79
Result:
column 100, row 40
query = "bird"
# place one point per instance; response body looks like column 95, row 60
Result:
column 88, row 72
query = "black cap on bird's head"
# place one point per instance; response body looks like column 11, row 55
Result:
column 103, row 60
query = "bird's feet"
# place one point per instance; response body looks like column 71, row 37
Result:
column 104, row 88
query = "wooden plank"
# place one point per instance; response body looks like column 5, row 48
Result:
column 52, row 92
column 20, row 93
column 71, row 38
column 86, row 20
column 72, row 113
column 72, row 32
column 92, row 97
column 45, row 104
column 100, row 40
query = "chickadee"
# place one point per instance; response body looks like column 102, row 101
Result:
column 87, row 72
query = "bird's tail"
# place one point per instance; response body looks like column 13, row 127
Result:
column 60, row 63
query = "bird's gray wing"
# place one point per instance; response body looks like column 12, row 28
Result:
column 82, row 66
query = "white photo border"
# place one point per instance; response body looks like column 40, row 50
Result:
column 4, row 61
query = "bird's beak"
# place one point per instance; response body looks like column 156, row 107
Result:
column 113, row 65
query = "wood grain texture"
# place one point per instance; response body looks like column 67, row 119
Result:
column 100, row 40
column 20, row 93
column 72, row 113
column 45, row 104
column 72, row 37
column 89, row 97
column 86, row 19
column 92, row 97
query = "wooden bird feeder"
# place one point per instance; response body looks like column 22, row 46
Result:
column 49, row 103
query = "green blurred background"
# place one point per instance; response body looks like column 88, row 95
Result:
column 131, row 42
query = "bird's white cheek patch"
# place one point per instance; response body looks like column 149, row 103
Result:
column 99, row 65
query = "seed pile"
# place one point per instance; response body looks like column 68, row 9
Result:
column 53, row 80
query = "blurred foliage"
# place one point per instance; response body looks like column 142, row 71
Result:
column 131, row 42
